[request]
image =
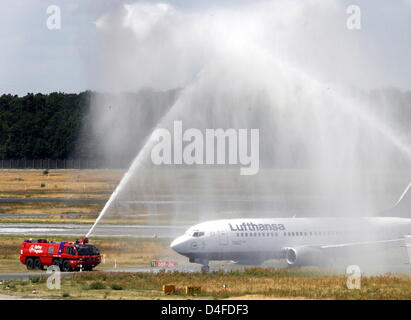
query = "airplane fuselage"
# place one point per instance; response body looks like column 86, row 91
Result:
column 252, row 241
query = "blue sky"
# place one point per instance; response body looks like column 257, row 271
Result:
column 35, row 59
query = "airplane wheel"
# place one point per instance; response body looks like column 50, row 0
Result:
column 205, row 269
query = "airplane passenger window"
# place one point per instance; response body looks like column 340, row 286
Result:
column 246, row 234
column 276, row 234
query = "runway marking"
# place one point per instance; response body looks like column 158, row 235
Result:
column 28, row 230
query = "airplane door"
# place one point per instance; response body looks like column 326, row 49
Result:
column 223, row 238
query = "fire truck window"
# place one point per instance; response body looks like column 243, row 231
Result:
column 70, row 250
column 51, row 250
column 87, row 250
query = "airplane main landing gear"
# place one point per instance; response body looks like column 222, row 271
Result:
column 205, row 269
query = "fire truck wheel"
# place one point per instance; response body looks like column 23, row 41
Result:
column 29, row 263
column 56, row 262
column 37, row 264
column 65, row 266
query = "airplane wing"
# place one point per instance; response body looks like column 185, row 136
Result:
column 306, row 254
column 355, row 244
column 362, row 243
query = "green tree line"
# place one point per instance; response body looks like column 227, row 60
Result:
column 40, row 126
column 112, row 127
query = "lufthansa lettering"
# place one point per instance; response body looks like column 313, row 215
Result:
column 249, row 226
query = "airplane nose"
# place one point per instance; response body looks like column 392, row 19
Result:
column 178, row 245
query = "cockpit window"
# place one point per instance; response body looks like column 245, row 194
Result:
column 197, row 234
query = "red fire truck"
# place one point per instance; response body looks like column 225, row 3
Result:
column 68, row 256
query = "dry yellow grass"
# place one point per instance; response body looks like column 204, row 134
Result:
column 253, row 283
column 59, row 208
column 95, row 186
column 58, row 184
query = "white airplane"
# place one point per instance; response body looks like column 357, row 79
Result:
column 300, row 241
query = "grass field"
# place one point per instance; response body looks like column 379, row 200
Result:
column 58, row 183
column 55, row 184
column 253, row 283
column 197, row 193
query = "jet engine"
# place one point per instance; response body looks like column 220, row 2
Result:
column 303, row 256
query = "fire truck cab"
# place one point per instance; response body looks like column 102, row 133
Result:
column 68, row 256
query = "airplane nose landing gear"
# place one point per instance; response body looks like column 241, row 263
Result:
column 205, row 267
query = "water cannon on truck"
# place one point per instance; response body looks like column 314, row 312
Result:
column 68, row 256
